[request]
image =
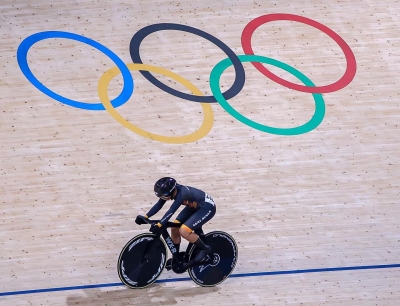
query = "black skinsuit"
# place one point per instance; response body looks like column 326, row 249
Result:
column 200, row 207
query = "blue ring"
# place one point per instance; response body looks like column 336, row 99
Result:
column 237, row 64
column 28, row 42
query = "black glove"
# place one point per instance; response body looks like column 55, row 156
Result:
column 155, row 229
column 139, row 220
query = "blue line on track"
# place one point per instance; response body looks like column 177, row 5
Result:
column 187, row 278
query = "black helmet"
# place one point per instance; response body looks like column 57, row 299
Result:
column 164, row 187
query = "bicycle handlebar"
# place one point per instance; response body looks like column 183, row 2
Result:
column 166, row 225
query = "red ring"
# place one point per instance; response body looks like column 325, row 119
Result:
column 350, row 58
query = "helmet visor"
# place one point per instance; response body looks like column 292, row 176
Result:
column 164, row 196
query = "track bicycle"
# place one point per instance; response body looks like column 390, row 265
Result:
column 144, row 257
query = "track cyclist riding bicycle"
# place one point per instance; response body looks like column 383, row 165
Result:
column 200, row 208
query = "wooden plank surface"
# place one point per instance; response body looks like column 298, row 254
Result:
column 73, row 180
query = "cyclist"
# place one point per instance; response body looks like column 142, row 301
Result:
column 199, row 209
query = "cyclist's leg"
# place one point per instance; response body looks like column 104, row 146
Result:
column 200, row 233
column 194, row 223
column 181, row 218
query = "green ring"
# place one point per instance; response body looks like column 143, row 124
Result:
column 302, row 129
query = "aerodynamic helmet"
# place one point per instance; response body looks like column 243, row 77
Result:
column 164, row 187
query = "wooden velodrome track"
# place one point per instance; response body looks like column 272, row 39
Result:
column 315, row 214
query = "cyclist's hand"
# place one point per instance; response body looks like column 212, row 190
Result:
column 156, row 229
column 139, row 220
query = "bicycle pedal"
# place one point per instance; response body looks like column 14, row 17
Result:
column 168, row 265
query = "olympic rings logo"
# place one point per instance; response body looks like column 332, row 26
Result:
column 197, row 95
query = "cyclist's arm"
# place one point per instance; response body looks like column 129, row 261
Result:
column 156, row 208
column 174, row 207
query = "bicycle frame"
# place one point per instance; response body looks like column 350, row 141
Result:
column 167, row 238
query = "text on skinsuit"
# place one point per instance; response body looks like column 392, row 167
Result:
column 209, row 199
column 202, row 219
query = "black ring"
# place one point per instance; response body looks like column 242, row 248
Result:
column 237, row 64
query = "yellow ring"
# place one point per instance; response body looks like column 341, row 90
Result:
column 204, row 129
